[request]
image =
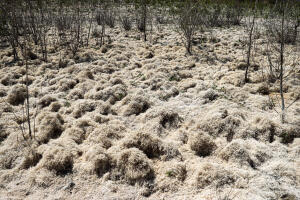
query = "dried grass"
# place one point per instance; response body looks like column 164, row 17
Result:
column 17, row 95
column 134, row 165
column 201, row 143
column 50, row 126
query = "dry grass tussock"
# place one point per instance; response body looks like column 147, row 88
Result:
column 51, row 126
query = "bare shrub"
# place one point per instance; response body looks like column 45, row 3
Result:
column 289, row 10
column 233, row 12
column 213, row 14
column 126, row 22
column 62, row 22
column 100, row 19
column 250, row 30
column 188, row 23
column 37, row 21
column 110, row 19
column 143, row 18
column 278, row 28
column 11, row 24
column 75, row 39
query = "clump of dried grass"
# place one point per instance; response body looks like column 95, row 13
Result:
column 264, row 129
column 210, row 95
column 110, row 94
column 50, row 126
column 224, row 123
column 101, row 119
column 66, row 84
column 3, row 133
column 55, row 106
column 46, row 101
column 83, row 106
column 213, row 174
column 3, row 92
column 164, row 118
column 85, row 74
column 177, row 170
column 134, row 165
column 94, row 161
column 249, row 153
column 137, row 106
column 31, row 159
column 17, row 95
column 74, row 133
column 9, row 79
column 107, row 134
column 9, row 158
column 151, row 145
column 75, row 94
column 201, row 143
column 58, row 156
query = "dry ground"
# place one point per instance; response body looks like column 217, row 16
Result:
column 142, row 120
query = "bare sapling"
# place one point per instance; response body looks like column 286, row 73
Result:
column 188, row 22
column 142, row 10
column 277, row 53
column 90, row 17
column 100, row 19
column 11, row 25
column 76, row 31
column 250, row 33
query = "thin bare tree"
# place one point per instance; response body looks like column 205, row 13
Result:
column 278, row 32
column 250, row 28
column 188, row 22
